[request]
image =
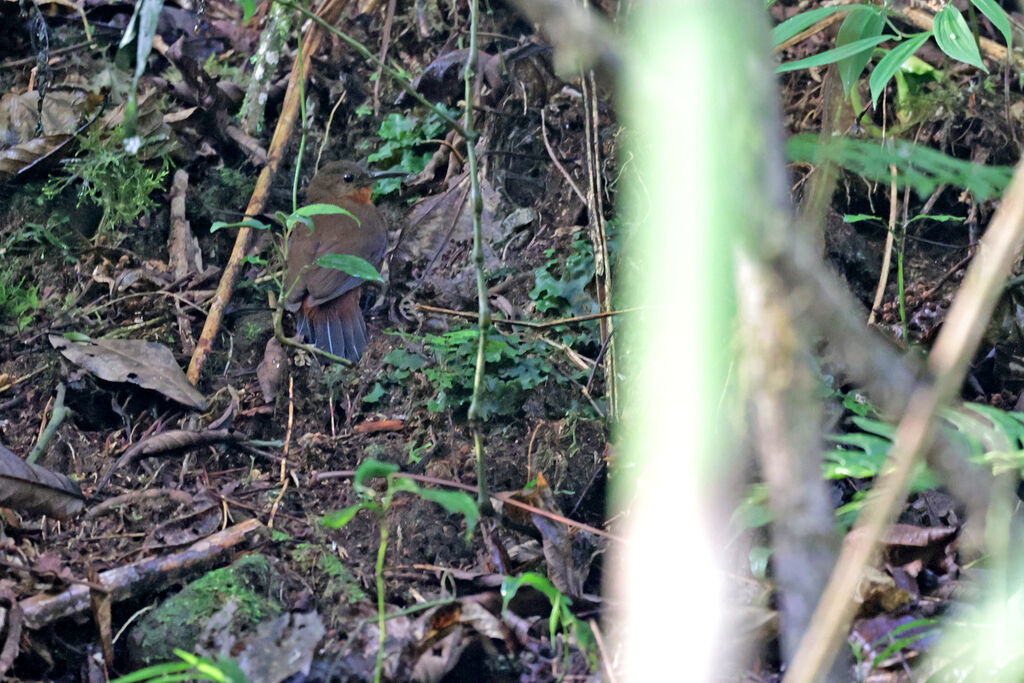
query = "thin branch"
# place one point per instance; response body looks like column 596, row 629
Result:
column 531, row 323
column 556, row 162
column 477, row 204
column 883, row 278
column 399, row 78
column 505, row 497
column 278, row 143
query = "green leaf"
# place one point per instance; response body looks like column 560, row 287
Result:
column 247, row 223
column 917, row 67
column 997, row 15
column 458, row 502
column 954, row 37
column 149, row 16
column 151, row 672
column 752, row 511
column 859, row 217
column 878, row 427
column 918, row 166
column 834, row 55
column 511, row 585
column 892, row 62
column 371, row 469
column 805, row 20
column 353, row 265
column 559, row 602
column 859, row 24
column 405, row 360
column 920, row 625
column 248, row 9
column 758, row 558
column 375, row 394
column 936, row 217
column 339, row 518
column 321, row 210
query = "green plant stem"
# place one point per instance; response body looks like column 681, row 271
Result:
column 402, row 82
column 381, row 618
column 903, row 291
column 60, row 411
column 476, row 202
column 415, row 609
column 302, row 145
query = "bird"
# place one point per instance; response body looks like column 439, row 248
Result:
column 325, row 301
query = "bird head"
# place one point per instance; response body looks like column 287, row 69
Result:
column 345, row 180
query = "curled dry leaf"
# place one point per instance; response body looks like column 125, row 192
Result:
column 170, row 443
column 269, row 371
column 442, row 79
column 63, row 112
column 228, row 416
column 37, row 490
column 568, row 552
column 147, row 364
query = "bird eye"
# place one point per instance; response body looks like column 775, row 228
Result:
column 348, row 177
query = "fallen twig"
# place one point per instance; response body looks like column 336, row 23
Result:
column 138, row 578
column 278, row 143
column 505, row 498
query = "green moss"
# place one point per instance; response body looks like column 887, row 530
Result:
column 315, row 561
column 179, row 620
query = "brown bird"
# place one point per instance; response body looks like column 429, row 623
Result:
column 325, row 300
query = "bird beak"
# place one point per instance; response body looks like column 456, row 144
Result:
column 377, row 175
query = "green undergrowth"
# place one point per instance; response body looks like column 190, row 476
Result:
column 111, row 176
column 189, row 667
column 407, row 142
column 868, row 45
column 21, row 252
column 518, row 363
column 515, row 367
column 18, row 300
column 563, row 288
column 334, row 579
column 378, row 504
column 988, row 437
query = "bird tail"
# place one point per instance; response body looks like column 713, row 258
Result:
column 336, row 327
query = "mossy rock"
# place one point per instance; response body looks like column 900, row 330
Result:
column 179, row 620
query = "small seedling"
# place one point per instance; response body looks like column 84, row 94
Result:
column 453, row 501
column 561, row 619
column 190, row 668
column 514, row 367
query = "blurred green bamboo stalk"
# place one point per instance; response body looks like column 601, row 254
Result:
column 696, row 121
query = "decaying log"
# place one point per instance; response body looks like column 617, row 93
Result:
column 145, row 576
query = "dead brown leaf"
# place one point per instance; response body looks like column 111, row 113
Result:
column 37, row 490
column 147, row 364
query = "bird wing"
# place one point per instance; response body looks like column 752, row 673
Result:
column 368, row 241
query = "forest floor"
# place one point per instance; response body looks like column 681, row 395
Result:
column 254, row 461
